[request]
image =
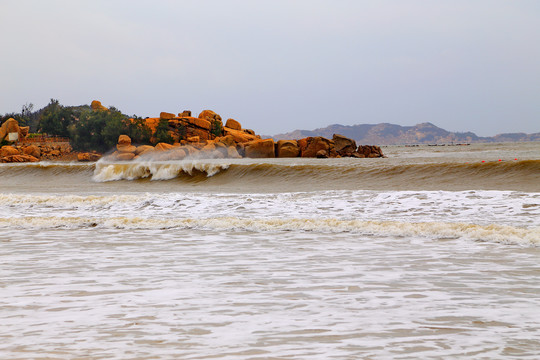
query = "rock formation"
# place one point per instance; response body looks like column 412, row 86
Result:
column 96, row 105
column 204, row 136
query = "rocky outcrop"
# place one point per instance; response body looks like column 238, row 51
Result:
column 124, row 145
column 210, row 116
column 260, row 148
column 10, row 130
column 200, row 137
column 233, row 124
column 166, row 116
column 32, row 150
column 316, row 147
column 287, row 148
column 88, row 157
column 96, row 106
column 239, row 136
column 343, row 145
column 369, row 151
column 18, row 159
column 8, row 151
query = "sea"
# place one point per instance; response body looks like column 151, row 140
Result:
column 430, row 253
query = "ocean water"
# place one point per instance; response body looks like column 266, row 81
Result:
column 433, row 252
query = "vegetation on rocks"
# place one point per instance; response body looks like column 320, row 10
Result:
column 98, row 129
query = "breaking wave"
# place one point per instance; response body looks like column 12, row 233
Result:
column 292, row 174
column 437, row 230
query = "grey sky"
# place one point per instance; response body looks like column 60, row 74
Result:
column 277, row 66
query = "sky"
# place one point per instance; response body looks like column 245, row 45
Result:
column 276, row 66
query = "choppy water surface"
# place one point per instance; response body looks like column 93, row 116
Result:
column 274, row 259
column 208, row 294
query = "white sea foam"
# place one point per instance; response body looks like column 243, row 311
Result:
column 155, row 170
column 476, row 207
column 435, row 230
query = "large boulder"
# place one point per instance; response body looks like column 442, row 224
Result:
column 124, row 145
column 239, row 136
column 126, row 156
column 163, row 147
column 370, row 151
column 233, row 124
column 202, row 123
column 96, row 105
column 7, row 150
column 312, row 146
column 143, row 149
column 10, row 126
column 88, row 157
column 18, row 158
column 23, row 131
column 185, row 113
column 227, row 140
column 343, row 145
column 166, row 115
column 124, row 140
column 209, row 115
column 260, row 148
column 32, row 150
column 287, row 148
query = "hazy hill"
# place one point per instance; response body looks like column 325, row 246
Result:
column 391, row 134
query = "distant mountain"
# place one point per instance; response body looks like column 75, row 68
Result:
column 391, row 134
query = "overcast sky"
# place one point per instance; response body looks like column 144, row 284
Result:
column 277, row 66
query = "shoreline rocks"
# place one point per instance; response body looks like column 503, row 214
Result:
column 204, row 136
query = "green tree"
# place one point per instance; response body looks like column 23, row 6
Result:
column 162, row 132
column 138, row 131
column 216, row 128
column 55, row 119
column 98, row 130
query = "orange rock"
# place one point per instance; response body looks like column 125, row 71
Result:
column 227, row 140
column 88, row 157
column 370, row 151
column 32, row 150
column 96, row 105
column 260, row 149
column 126, row 148
column 152, row 123
column 233, row 124
column 166, row 115
column 185, row 113
column 7, row 150
column 287, row 148
column 163, row 147
column 143, row 148
column 316, row 144
column 18, row 158
column 23, row 131
column 8, row 127
column 203, row 134
column 239, row 136
column 124, row 140
column 193, row 139
column 209, row 115
column 204, row 124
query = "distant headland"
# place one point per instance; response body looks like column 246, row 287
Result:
column 86, row 132
column 392, row 134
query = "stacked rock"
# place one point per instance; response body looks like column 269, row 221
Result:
column 125, row 151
